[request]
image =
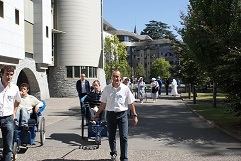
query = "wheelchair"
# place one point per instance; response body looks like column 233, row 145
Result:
column 96, row 131
column 23, row 137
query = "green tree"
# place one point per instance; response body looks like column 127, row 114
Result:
column 140, row 72
column 115, row 57
column 189, row 69
column 211, row 29
column 160, row 67
column 158, row 30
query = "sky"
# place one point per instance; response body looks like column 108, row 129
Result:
column 125, row 14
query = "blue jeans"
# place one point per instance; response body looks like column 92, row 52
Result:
column 7, row 128
column 119, row 119
column 25, row 115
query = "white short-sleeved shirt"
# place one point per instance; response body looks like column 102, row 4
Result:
column 29, row 102
column 117, row 99
column 7, row 99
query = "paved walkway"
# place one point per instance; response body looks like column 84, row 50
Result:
column 167, row 131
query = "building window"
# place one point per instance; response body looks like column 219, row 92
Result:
column 47, row 31
column 126, row 38
column 69, row 71
column 84, row 70
column 145, row 56
column 95, row 72
column 91, row 72
column 76, row 71
column 28, row 55
column 17, row 16
column 1, row 9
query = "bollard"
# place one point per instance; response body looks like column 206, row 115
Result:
column 194, row 94
column 189, row 91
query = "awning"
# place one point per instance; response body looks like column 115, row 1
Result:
column 55, row 31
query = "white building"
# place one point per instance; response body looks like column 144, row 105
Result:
column 24, row 43
column 51, row 42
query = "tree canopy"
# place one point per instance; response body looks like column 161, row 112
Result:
column 115, row 57
column 212, row 32
column 140, row 72
column 158, row 30
column 160, row 67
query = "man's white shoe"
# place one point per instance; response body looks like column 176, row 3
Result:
column 113, row 157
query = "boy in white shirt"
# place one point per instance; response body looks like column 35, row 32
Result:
column 28, row 104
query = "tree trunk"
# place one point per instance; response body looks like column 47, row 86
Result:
column 214, row 94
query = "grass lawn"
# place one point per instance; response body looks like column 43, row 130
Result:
column 221, row 116
column 206, row 97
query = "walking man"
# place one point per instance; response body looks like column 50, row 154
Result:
column 9, row 101
column 116, row 98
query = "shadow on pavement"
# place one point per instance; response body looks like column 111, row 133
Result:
column 172, row 123
column 71, row 111
column 74, row 140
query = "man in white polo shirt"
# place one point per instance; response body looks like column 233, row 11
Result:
column 9, row 101
column 115, row 98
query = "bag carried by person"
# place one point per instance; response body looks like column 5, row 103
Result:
column 153, row 89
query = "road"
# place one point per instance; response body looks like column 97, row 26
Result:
column 167, row 131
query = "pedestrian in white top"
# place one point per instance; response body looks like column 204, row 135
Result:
column 9, row 102
column 174, row 88
column 115, row 98
column 154, row 89
column 141, row 89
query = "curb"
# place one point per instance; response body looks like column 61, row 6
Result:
column 212, row 123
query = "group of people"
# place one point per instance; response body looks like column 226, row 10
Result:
column 113, row 103
column 14, row 103
column 155, row 87
column 110, row 104
column 115, row 100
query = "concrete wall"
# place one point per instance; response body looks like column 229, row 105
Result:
column 12, row 34
column 81, row 22
column 37, row 80
column 60, row 86
column 42, row 23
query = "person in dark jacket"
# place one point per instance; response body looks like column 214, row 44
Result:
column 93, row 99
column 160, row 85
column 82, row 86
column 167, row 85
